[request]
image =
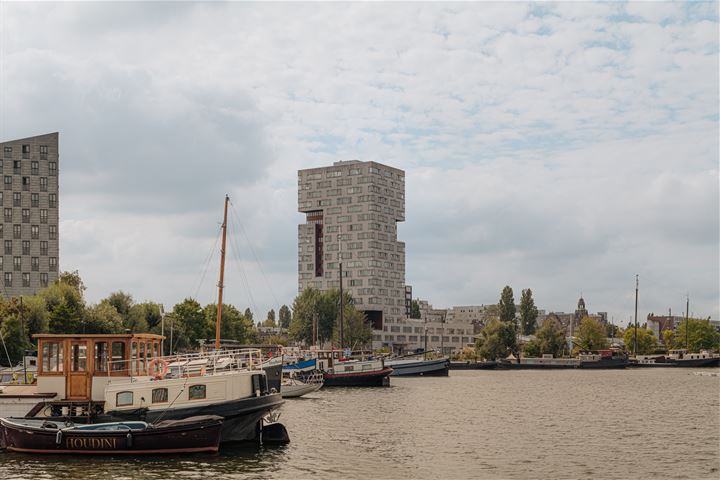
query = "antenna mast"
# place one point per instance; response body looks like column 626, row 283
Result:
column 221, row 285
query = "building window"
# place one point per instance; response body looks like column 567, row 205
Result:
column 43, row 247
column 43, row 152
column 123, row 399
column 35, row 264
column 17, row 199
column 43, row 279
column 43, row 184
column 53, row 232
column 52, row 167
column 197, row 392
column 26, row 215
column 34, row 199
column 8, row 182
column 26, row 247
column 43, row 216
column 159, row 395
column 17, row 231
column 26, row 151
column 8, row 214
column 26, row 279
column 17, row 263
column 1, row 198
column 26, row 183
column 34, row 167
column 52, row 200
column 8, row 279
column 17, row 166
column 8, row 151
column 1, row 230
column 34, row 232
column 8, row 247
column 53, row 264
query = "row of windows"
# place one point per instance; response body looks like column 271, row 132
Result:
column 348, row 200
column 34, row 199
column 25, row 214
column 34, row 167
column 356, row 171
column 25, row 181
column 26, row 246
column 34, row 263
column 25, row 279
column 25, row 149
column 34, row 233
column 160, row 395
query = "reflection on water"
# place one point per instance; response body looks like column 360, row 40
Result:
column 652, row 423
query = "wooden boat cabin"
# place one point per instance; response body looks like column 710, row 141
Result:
column 78, row 367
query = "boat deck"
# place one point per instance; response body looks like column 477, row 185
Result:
column 22, row 391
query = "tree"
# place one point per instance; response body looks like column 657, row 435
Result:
column 612, row 330
column 35, row 315
column 591, row 335
column 646, row 341
column 187, row 320
column 15, row 341
column 102, row 318
column 248, row 314
column 668, row 338
column 528, row 313
column 701, row 335
column 356, row 329
column 73, row 279
column 122, row 302
column 270, row 320
column 549, row 339
column 497, row 340
column 65, row 307
column 285, row 316
column 414, row 309
column 506, row 306
column 312, row 303
column 233, row 324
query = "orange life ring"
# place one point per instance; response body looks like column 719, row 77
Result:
column 158, row 368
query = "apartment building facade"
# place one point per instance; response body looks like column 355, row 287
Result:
column 352, row 209
column 29, row 199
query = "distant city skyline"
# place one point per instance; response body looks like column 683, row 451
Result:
column 559, row 147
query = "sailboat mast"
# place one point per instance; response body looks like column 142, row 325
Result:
column 635, row 343
column 221, row 284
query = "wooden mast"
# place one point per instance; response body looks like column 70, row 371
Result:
column 222, row 275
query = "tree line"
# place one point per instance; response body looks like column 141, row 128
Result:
column 62, row 309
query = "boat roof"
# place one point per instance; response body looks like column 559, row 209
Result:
column 98, row 335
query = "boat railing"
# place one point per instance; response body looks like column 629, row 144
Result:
column 190, row 364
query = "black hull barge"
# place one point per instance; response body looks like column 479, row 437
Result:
column 191, row 435
column 376, row 378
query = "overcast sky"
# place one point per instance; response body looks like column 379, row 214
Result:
column 562, row 147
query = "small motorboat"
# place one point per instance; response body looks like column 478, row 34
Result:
column 35, row 435
column 296, row 386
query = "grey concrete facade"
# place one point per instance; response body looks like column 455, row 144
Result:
column 29, row 199
column 351, row 213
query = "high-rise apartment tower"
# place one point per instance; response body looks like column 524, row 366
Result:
column 351, row 212
column 29, row 202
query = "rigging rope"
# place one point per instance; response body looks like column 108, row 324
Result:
column 207, row 265
column 252, row 250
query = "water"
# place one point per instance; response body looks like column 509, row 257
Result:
column 649, row 423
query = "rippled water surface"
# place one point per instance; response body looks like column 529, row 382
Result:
column 650, row 423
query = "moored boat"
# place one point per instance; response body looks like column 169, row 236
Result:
column 419, row 367
column 468, row 365
column 190, row 435
column 294, row 385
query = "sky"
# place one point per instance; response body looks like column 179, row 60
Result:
column 562, row 147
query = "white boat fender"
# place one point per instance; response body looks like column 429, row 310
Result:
column 58, row 437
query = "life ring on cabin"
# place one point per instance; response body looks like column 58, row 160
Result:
column 158, row 368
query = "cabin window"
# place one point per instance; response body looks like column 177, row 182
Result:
column 159, row 395
column 78, row 355
column 118, row 356
column 123, row 399
column 52, row 357
column 134, row 356
column 101, row 356
column 149, row 353
column 197, row 392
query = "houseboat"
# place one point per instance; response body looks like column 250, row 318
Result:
column 106, row 378
column 344, row 372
